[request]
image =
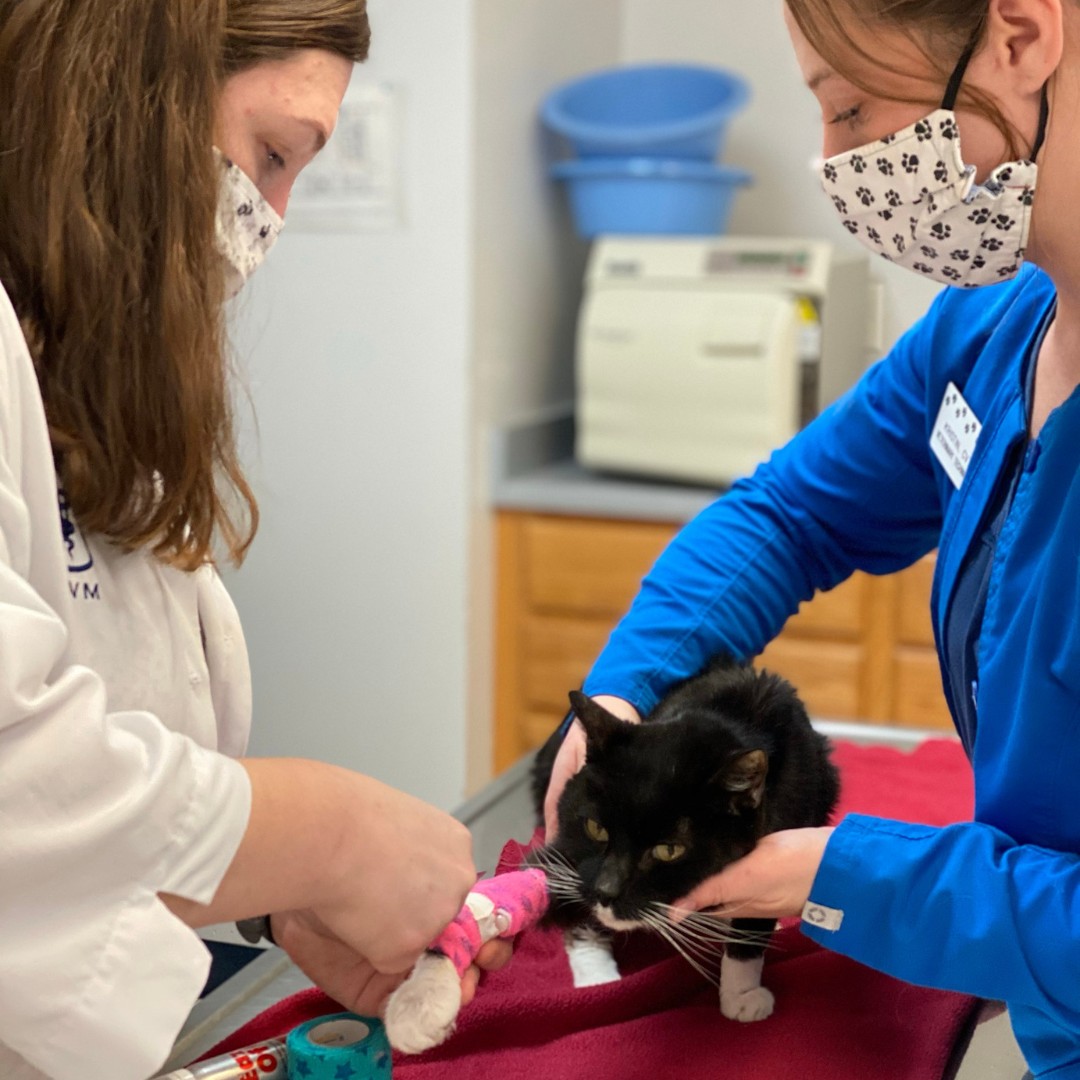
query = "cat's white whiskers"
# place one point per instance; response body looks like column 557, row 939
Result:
column 713, row 915
column 563, row 882
column 711, row 932
column 556, row 863
column 664, row 930
column 705, row 948
column 721, row 930
column 556, row 878
column 730, row 936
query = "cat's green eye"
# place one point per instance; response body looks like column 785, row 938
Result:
column 596, row 831
column 669, row 852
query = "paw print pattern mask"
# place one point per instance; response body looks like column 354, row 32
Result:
column 247, row 225
column 911, row 199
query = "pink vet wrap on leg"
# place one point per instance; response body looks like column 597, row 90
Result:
column 520, row 897
column 460, row 941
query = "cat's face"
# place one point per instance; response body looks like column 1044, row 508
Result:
column 657, row 808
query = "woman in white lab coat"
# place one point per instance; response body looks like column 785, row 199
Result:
column 147, row 151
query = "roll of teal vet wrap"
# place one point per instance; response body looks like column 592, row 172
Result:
column 342, row 1046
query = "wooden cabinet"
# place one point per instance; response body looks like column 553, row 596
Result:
column 864, row 651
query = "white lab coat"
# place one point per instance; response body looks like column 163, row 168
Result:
column 123, row 686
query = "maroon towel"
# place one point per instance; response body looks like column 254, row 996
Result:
column 834, row 1018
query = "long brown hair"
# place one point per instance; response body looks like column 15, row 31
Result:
column 108, row 191
column 941, row 29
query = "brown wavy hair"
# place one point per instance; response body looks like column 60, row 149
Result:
column 108, row 191
column 941, row 29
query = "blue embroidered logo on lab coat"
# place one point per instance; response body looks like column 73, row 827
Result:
column 78, row 554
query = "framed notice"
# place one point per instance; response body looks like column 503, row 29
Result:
column 354, row 184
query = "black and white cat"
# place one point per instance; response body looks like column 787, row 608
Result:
column 725, row 758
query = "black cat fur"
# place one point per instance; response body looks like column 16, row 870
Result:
column 725, row 758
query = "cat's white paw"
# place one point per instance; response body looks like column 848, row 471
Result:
column 742, row 997
column 421, row 1011
column 746, row 1006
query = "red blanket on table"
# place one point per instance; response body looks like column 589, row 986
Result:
column 834, row 1018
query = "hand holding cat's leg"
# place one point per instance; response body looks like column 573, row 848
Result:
column 772, row 882
column 494, row 956
column 571, row 758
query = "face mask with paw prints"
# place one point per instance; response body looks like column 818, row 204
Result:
column 246, row 227
column 911, row 199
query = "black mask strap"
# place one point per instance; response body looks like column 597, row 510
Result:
column 952, row 91
column 1044, row 118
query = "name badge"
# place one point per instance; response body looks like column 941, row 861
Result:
column 955, row 433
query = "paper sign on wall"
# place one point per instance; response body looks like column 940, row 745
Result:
column 354, row 184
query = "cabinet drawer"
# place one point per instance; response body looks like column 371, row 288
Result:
column 913, row 603
column 588, row 567
column 920, row 700
column 837, row 613
column 537, row 726
column 558, row 655
column 825, row 674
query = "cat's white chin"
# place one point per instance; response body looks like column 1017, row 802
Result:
column 607, row 917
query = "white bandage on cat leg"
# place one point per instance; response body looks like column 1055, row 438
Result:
column 483, row 911
column 421, row 1011
column 591, row 962
column 742, row 997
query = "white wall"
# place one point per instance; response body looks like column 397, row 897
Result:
column 377, row 362
column 354, row 598
column 528, row 263
column 777, row 136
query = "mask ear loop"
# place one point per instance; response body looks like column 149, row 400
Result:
column 1044, row 119
column 952, row 91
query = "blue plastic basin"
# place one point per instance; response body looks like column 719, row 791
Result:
column 632, row 196
column 659, row 110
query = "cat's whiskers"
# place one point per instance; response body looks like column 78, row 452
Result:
column 563, row 882
column 554, row 857
column 712, row 916
column 665, row 929
column 710, row 931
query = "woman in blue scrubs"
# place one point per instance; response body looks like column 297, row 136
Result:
column 950, row 149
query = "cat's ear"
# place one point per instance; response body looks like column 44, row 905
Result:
column 599, row 724
column 744, row 777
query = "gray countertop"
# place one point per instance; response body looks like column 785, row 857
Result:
column 533, row 468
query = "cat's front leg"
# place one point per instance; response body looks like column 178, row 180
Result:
column 591, row 961
column 742, row 997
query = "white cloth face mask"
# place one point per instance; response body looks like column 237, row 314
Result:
column 247, row 225
column 911, row 199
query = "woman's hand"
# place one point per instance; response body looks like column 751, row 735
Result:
column 361, row 877
column 402, row 872
column 571, row 757
column 333, row 966
column 772, row 882
column 493, row 956
column 347, row 976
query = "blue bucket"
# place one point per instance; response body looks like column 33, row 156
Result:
column 634, row 196
column 658, row 110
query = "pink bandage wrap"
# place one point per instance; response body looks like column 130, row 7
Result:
column 520, row 900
